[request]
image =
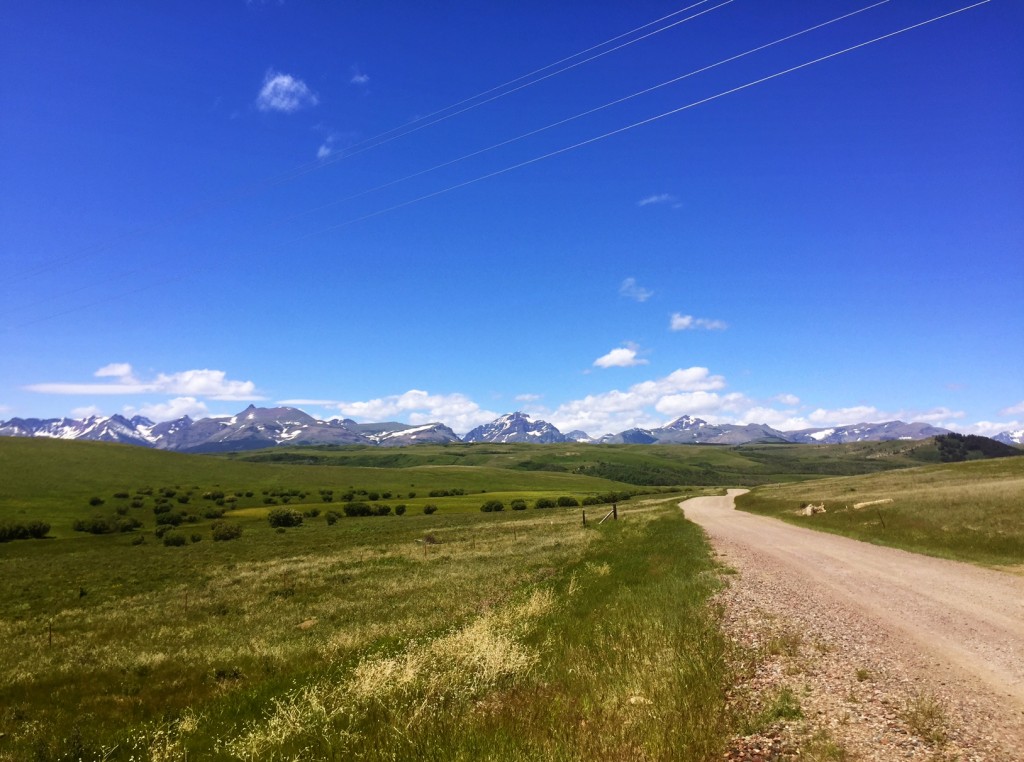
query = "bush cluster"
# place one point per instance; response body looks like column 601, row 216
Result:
column 223, row 531
column 492, row 505
column 104, row 525
column 33, row 529
column 364, row 509
column 446, row 492
column 429, row 508
column 284, row 517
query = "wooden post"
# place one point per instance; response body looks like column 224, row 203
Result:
column 615, row 512
column 515, row 535
column 584, row 518
column 880, row 517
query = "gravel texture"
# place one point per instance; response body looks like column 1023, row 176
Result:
column 884, row 655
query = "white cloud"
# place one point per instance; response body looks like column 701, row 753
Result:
column 617, row 410
column 787, row 399
column 660, row 198
column 708, row 405
column 213, row 384
column 87, row 411
column 991, row 428
column 171, row 410
column 324, row 150
column 284, row 93
column 1017, row 409
column 633, row 290
column 623, row 357
column 304, row 401
column 527, row 397
column 419, row 407
column 359, row 78
column 119, row 370
column 680, row 322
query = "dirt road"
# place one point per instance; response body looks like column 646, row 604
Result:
column 956, row 626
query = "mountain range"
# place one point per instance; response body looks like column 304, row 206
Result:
column 257, row 428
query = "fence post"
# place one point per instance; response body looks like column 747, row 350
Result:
column 615, row 512
column 584, row 518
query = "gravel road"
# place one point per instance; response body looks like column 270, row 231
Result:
column 920, row 626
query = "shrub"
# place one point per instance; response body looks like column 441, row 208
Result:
column 382, row 510
column 492, row 505
column 38, row 529
column 96, row 501
column 544, row 502
column 95, row 525
column 122, row 495
column 311, row 513
column 591, row 500
column 213, row 513
column 139, row 539
column 195, row 537
column 357, row 509
column 386, row 495
column 373, row 496
column 332, row 516
column 127, row 524
column 567, row 501
column 174, row 539
column 429, row 508
column 11, row 531
column 137, row 503
column 248, row 493
column 518, row 505
column 172, row 518
column 400, row 509
column 222, row 531
column 284, row 517
column 412, row 495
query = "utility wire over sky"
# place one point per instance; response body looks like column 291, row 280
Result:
column 580, row 144
column 388, row 136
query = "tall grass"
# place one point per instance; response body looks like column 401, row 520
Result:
column 965, row 511
column 516, row 636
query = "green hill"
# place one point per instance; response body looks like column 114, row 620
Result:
column 970, row 511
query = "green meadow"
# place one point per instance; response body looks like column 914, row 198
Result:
column 452, row 635
column 972, row 511
column 195, row 629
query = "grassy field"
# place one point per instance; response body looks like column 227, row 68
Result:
column 460, row 636
column 55, row 481
column 970, row 511
column 745, row 465
column 452, row 635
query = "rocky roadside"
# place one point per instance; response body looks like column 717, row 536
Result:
column 818, row 681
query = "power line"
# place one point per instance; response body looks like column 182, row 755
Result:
column 208, row 205
column 555, row 73
column 582, row 114
column 634, row 125
column 588, row 141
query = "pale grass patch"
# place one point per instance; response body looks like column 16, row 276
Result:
column 459, row 667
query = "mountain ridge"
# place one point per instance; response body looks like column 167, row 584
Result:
column 258, row 428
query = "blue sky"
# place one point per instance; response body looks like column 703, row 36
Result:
column 211, row 203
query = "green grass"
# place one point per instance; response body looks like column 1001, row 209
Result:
column 54, row 480
column 966, row 511
column 509, row 636
column 745, row 465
